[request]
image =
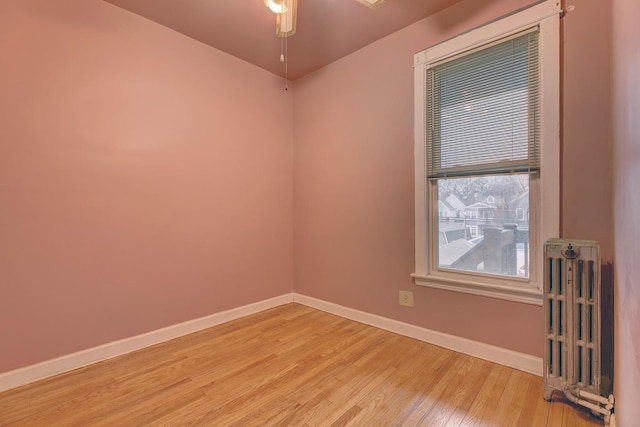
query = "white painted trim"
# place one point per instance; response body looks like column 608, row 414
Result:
column 86, row 357
column 49, row 368
column 513, row 359
column 523, row 294
column 545, row 187
column 490, row 32
column 422, row 233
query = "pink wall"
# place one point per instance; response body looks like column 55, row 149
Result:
column 626, row 137
column 586, row 168
column 353, row 175
column 145, row 179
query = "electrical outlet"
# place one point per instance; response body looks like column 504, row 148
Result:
column 406, row 298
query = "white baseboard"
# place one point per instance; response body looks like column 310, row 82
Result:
column 82, row 358
column 49, row 368
column 513, row 359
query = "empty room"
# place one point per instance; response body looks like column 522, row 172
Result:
column 319, row 212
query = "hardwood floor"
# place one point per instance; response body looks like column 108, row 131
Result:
column 290, row 366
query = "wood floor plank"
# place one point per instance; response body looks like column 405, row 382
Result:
column 474, row 414
column 517, row 401
column 389, row 399
column 337, row 392
column 527, row 414
column 467, row 379
column 430, row 398
column 465, row 396
column 355, row 384
column 290, row 377
column 541, row 414
column 290, row 366
column 556, row 413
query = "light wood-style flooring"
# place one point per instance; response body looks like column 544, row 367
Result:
column 290, row 366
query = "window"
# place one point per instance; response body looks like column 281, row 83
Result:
column 486, row 135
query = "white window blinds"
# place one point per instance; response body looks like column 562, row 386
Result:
column 483, row 110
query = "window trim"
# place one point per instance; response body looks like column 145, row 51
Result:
column 545, row 194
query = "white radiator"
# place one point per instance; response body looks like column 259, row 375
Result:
column 572, row 353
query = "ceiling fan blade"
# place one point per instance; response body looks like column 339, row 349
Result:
column 373, row 4
column 286, row 22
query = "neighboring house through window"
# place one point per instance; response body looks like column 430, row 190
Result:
column 487, row 122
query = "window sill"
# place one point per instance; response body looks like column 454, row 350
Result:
column 518, row 293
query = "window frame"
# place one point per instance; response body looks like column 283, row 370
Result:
column 544, row 192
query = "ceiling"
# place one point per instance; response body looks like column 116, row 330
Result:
column 326, row 29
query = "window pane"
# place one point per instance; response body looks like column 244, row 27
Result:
column 483, row 224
